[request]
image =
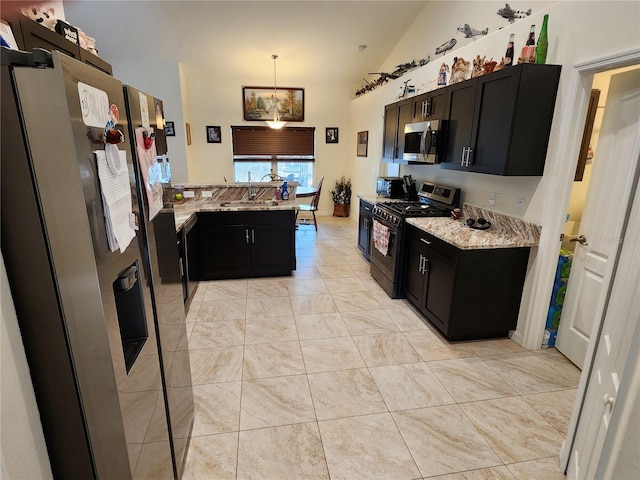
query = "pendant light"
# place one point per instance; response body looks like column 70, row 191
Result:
column 276, row 123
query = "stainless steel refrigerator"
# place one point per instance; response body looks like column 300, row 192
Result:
column 149, row 149
column 91, row 303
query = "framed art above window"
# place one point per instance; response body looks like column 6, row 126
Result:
column 258, row 103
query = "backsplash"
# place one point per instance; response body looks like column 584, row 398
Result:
column 229, row 192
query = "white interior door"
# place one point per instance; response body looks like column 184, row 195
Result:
column 614, row 350
column 609, row 192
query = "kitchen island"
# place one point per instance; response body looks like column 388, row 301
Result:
column 222, row 233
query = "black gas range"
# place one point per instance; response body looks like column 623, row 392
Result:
column 388, row 231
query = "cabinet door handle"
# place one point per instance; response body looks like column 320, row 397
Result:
column 424, row 240
column 469, row 150
column 426, row 265
column 464, row 151
column 181, row 267
column 421, row 265
column 253, row 236
column 427, row 110
column 246, row 233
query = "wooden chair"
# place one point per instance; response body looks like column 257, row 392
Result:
column 313, row 206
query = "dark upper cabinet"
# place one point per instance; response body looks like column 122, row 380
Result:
column 458, row 128
column 396, row 116
column 430, row 106
column 30, row 35
column 499, row 123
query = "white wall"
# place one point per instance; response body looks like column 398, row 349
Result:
column 23, row 453
column 163, row 80
column 217, row 101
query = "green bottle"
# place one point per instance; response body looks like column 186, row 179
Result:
column 543, row 42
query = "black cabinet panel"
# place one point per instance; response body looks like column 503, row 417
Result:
column 365, row 228
column 466, row 294
column 396, row 116
column 430, row 105
column 459, row 125
column 246, row 244
column 503, row 127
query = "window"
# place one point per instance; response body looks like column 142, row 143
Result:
column 290, row 152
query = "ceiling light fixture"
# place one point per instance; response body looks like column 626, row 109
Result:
column 276, row 123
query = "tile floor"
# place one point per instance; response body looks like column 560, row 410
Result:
column 322, row 375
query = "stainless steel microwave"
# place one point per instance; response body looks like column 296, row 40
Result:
column 421, row 141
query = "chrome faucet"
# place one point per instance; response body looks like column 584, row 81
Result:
column 252, row 191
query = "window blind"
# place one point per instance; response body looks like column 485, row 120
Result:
column 257, row 143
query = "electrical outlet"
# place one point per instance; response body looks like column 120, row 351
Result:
column 520, row 206
column 206, row 193
column 493, row 199
column 189, row 194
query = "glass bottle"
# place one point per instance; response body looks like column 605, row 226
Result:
column 508, row 57
column 528, row 54
column 543, row 42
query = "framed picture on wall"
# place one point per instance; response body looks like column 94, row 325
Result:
column 331, row 135
column 363, row 141
column 213, row 135
column 169, row 129
column 257, row 103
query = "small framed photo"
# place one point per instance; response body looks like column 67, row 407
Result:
column 169, row 129
column 331, row 135
column 363, row 141
column 213, row 135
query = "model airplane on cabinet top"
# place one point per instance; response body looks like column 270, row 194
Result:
column 511, row 14
column 470, row 32
column 446, row 46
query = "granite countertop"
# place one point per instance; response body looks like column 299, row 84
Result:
column 505, row 231
column 184, row 211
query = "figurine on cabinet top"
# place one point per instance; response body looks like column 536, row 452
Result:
column 442, row 75
column 478, row 66
column 499, row 66
column 459, row 70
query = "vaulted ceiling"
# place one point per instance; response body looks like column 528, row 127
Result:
column 314, row 39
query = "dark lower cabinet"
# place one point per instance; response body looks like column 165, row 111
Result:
column 365, row 228
column 466, row 294
column 187, row 240
column 246, row 244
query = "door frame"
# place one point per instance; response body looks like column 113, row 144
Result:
column 577, row 89
column 580, row 87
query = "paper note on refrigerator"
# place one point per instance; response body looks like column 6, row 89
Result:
column 150, row 169
column 116, row 200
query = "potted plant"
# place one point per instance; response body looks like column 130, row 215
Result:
column 341, row 195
